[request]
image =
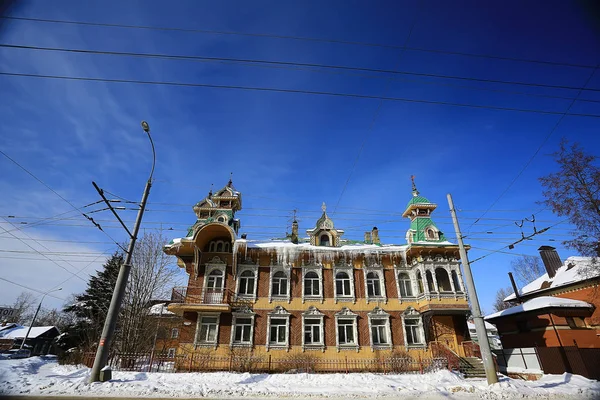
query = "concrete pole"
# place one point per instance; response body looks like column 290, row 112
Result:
column 484, row 344
column 117, row 297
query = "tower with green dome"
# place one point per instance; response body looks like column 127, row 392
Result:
column 422, row 228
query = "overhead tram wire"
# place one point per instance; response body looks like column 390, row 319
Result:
column 323, row 68
column 535, row 153
column 30, row 288
column 298, row 38
column 56, row 193
column 295, row 91
column 299, row 64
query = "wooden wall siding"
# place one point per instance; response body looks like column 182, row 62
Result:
column 359, row 283
column 390, row 283
column 460, row 328
column 260, row 328
column 230, row 279
column 263, row 282
column 329, row 328
column 397, row 330
column 296, row 328
column 364, row 334
column 296, row 283
column 328, row 283
column 225, row 328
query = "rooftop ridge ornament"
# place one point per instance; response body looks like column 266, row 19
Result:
column 210, row 192
column 230, row 183
column 415, row 192
column 324, row 207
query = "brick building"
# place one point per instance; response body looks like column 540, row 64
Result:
column 320, row 293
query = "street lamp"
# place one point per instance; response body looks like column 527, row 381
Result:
column 35, row 315
column 119, row 292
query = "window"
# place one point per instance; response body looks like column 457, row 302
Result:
column 207, row 329
column 443, row 281
column 419, row 282
column 346, row 332
column 215, row 280
column 342, row 284
column 279, row 284
column 379, row 332
column 312, row 331
column 219, row 247
column 221, row 219
column 312, row 284
column 324, row 241
column 242, row 331
column 246, row 285
column 278, row 332
column 171, row 353
column 405, row 285
column 373, row 285
column 430, row 234
column 456, row 282
column 174, row 333
column 413, row 331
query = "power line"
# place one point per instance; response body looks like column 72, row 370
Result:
column 301, row 38
column 296, row 64
column 535, row 153
column 30, row 288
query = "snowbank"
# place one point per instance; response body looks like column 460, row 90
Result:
column 39, row 376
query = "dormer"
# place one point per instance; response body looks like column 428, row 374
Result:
column 324, row 232
column 419, row 210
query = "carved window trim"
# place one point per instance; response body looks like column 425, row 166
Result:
column 313, row 314
column 411, row 314
column 279, row 297
column 346, row 314
column 244, row 313
column 349, row 270
column 278, row 313
column 376, row 269
column 378, row 314
column 319, row 271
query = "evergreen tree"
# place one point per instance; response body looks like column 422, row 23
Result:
column 90, row 308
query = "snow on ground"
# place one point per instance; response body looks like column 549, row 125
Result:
column 39, row 376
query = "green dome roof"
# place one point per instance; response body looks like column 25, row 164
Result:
column 418, row 200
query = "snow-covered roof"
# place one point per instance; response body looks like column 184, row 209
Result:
column 488, row 326
column 160, row 309
column 539, row 303
column 574, row 269
column 19, row 331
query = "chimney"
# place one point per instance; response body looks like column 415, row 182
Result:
column 368, row 237
column 244, row 236
column 375, row 235
column 551, row 260
column 294, row 236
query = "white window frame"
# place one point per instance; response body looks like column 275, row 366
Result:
column 379, row 271
column 379, row 314
column 214, row 343
column 350, row 272
column 313, row 314
column 285, row 297
column 214, row 264
column 243, row 313
column 411, row 278
column 171, row 352
column 319, row 272
column 242, row 269
column 346, row 314
column 278, row 313
column 174, row 333
column 411, row 313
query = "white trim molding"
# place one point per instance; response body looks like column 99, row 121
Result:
column 313, row 329
column 286, row 270
column 346, row 314
column 207, row 343
column 417, row 331
column 348, row 269
column 253, row 268
column 243, row 313
column 278, row 313
column 318, row 270
column 380, row 333
column 378, row 284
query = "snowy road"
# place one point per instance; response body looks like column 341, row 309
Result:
column 38, row 377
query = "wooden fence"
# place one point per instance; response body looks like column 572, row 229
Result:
column 304, row 362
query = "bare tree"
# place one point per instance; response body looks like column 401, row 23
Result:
column 574, row 192
column 23, row 306
column 151, row 278
column 527, row 269
column 499, row 303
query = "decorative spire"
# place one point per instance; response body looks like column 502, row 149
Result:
column 415, row 192
column 230, row 183
column 210, row 193
column 324, row 207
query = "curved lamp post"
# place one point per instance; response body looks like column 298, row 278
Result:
column 115, row 303
column 35, row 315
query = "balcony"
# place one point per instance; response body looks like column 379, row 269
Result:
column 209, row 300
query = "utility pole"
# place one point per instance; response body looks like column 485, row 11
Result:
column 121, row 284
column 484, row 344
column 35, row 316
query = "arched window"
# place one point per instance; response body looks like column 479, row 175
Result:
column 405, row 285
column 324, row 241
column 429, row 278
column 219, row 247
column 279, row 284
column 373, row 285
column 443, row 280
column 342, row 284
column 430, row 233
column 221, row 219
column 211, row 247
column 419, row 282
column 312, row 285
column 246, row 283
column 226, row 247
column 456, row 282
column 215, row 280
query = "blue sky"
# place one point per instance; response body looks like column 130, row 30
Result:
column 287, row 150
